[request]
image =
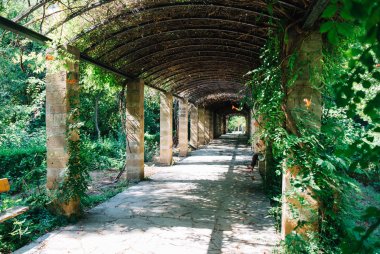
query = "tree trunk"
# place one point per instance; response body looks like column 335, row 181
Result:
column 96, row 116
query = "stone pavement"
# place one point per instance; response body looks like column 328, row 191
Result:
column 207, row 203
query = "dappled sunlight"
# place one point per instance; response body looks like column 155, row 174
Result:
column 204, row 204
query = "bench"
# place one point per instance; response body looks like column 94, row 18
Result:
column 11, row 212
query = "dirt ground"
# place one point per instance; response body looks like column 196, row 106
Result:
column 104, row 179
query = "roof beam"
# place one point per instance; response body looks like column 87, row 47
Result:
column 16, row 28
column 314, row 13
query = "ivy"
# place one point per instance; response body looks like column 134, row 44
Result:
column 329, row 159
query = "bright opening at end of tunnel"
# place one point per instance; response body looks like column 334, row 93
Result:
column 237, row 124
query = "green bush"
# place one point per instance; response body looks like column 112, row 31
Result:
column 17, row 232
column 23, row 165
column 151, row 142
column 104, row 153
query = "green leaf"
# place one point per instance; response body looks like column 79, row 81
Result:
column 371, row 212
column 376, row 75
column 344, row 29
column 332, row 36
column 330, row 11
column 360, row 94
column 325, row 27
column 366, row 84
column 354, row 52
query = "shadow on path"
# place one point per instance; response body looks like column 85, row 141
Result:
column 207, row 203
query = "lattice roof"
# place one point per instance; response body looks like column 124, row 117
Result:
column 199, row 49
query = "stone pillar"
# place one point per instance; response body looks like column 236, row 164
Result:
column 166, row 128
column 304, row 102
column 216, row 125
column 211, row 125
column 207, row 126
column 135, row 130
column 194, row 127
column 224, row 124
column 62, row 99
column 183, row 130
column 201, row 126
column 247, row 125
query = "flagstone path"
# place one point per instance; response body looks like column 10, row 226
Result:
column 207, row 203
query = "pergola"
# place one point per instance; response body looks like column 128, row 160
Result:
column 198, row 51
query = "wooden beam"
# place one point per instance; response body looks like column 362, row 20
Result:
column 16, row 28
column 13, row 212
column 314, row 13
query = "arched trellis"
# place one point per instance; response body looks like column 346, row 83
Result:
column 168, row 43
column 191, row 47
column 209, row 71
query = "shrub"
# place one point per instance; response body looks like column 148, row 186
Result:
column 104, row 153
column 151, row 142
column 23, row 165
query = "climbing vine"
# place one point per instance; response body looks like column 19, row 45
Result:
column 330, row 158
column 74, row 184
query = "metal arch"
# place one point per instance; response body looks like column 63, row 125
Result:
column 219, row 99
column 28, row 33
column 198, row 58
column 191, row 70
column 186, row 70
column 163, row 81
column 199, row 94
column 195, row 52
column 183, row 47
column 177, row 41
column 197, row 62
column 154, row 34
column 174, row 32
column 184, row 81
column 195, row 83
column 196, row 73
column 155, row 8
column 121, row 73
column 208, row 81
column 102, row 2
column 178, row 20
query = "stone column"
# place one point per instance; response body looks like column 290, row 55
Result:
column 135, row 130
column 224, row 124
column 304, row 102
column 201, row 126
column 216, row 125
column 62, row 99
column 247, row 125
column 194, row 127
column 166, row 128
column 211, row 125
column 183, row 130
column 207, row 126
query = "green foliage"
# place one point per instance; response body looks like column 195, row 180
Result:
column 236, row 123
column 329, row 157
column 358, row 87
column 151, row 146
column 99, row 102
column 27, row 227
column 151, row 112
column 24, row 167
column 103, row 154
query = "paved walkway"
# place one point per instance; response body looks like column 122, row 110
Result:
column 207, row 203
